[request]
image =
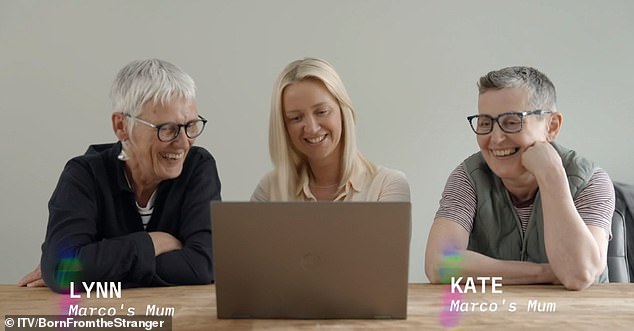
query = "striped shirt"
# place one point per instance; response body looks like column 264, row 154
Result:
column 595, row 202
column 146, row 212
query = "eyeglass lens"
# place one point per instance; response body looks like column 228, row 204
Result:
column 169, row 131
column 508, row 122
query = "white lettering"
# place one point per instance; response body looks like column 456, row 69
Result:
column 88, row 288
column 107, row 290
column 75, row 310
column 461, row 306
column 455, row 285
column 536, row 306
column 72, row 294
column 471, row 287
column 153, row 310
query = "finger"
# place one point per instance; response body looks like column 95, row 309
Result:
column 28, row 278
column 37, row 283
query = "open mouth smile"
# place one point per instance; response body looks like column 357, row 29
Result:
column 316, row 140
column 504, row 152
column 172, row 156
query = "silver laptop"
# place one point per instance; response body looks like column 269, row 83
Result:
column 311, row 260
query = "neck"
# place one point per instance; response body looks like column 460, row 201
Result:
column 324, row 175
column 522, row 189
column 142, row 189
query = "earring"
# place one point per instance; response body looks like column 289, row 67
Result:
column 123, row 156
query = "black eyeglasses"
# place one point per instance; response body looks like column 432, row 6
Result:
column 511, row 122
column 167, row 132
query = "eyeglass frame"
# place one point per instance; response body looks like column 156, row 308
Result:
column 179, row 126
column 496, row 119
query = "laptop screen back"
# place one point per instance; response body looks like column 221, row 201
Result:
column 311, row 260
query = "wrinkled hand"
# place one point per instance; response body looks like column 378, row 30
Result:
column 164, row 242
column 33, row 278
column 541, row 158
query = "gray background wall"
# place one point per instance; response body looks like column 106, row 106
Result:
column 409, row 66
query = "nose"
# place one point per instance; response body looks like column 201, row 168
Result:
column 497, row 134
column 181, row 139
column 312, row 125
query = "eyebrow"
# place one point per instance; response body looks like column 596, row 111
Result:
column 317, row 105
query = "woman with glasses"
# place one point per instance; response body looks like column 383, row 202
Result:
column 312, row 143
column 523, row 208
column 137, row 211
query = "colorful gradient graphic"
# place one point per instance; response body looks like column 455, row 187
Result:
column 450, row 267
column 68, row 270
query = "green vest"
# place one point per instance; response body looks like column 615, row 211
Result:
column 497, row 230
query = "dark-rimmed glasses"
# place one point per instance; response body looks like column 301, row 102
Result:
column 511, row 122
column 169, row 131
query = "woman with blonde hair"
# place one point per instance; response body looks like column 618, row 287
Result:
column 313, row 146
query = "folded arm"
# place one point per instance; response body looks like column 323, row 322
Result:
column 579, row 256
column 448, row 236
column 192, row 262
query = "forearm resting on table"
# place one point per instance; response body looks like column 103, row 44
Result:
column 578, row 257
column 474, row 264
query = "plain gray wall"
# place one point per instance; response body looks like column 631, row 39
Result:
column 409, row 66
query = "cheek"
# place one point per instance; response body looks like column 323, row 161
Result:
column 525, row 140
column 483, row 141
column 337, row 126
column 293, row 134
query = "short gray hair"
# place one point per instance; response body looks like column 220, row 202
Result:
column 541, row 91
column 153, row 80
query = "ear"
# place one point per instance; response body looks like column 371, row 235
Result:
column 119, row 126
column 554, row 125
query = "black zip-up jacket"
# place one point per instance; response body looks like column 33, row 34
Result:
column 95, row 233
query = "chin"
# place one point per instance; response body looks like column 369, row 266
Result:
column 503, row 171
column 506, row 172
column 172, row 173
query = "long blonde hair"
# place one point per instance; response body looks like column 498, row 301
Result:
column 288, row 162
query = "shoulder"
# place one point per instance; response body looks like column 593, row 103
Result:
column 199, row 154
column 459, row 182
column 389, row 177
column 600, row 183
column 267, row 178
column 576, row 165
column 98, row 166
column 392, row 184
column 387, row 173
column 474, row 162
column 98, row 156
column 263, row 191
column 199, row 160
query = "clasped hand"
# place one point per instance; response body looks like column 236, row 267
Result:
column 541, row 159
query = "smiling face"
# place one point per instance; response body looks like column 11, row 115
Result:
column 151, row 160
column 313, row 120
column 502, row 151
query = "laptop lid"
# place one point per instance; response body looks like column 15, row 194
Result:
column 311, row 260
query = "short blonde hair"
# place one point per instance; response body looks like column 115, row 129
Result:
column 287, row 161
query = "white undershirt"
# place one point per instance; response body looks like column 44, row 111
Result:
column 146, row 212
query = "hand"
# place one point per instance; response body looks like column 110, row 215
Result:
column 33, row 278
column 164, row 242
column 541, row 158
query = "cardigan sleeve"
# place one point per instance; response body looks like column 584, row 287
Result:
column 75, row 250
column 193, row 263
